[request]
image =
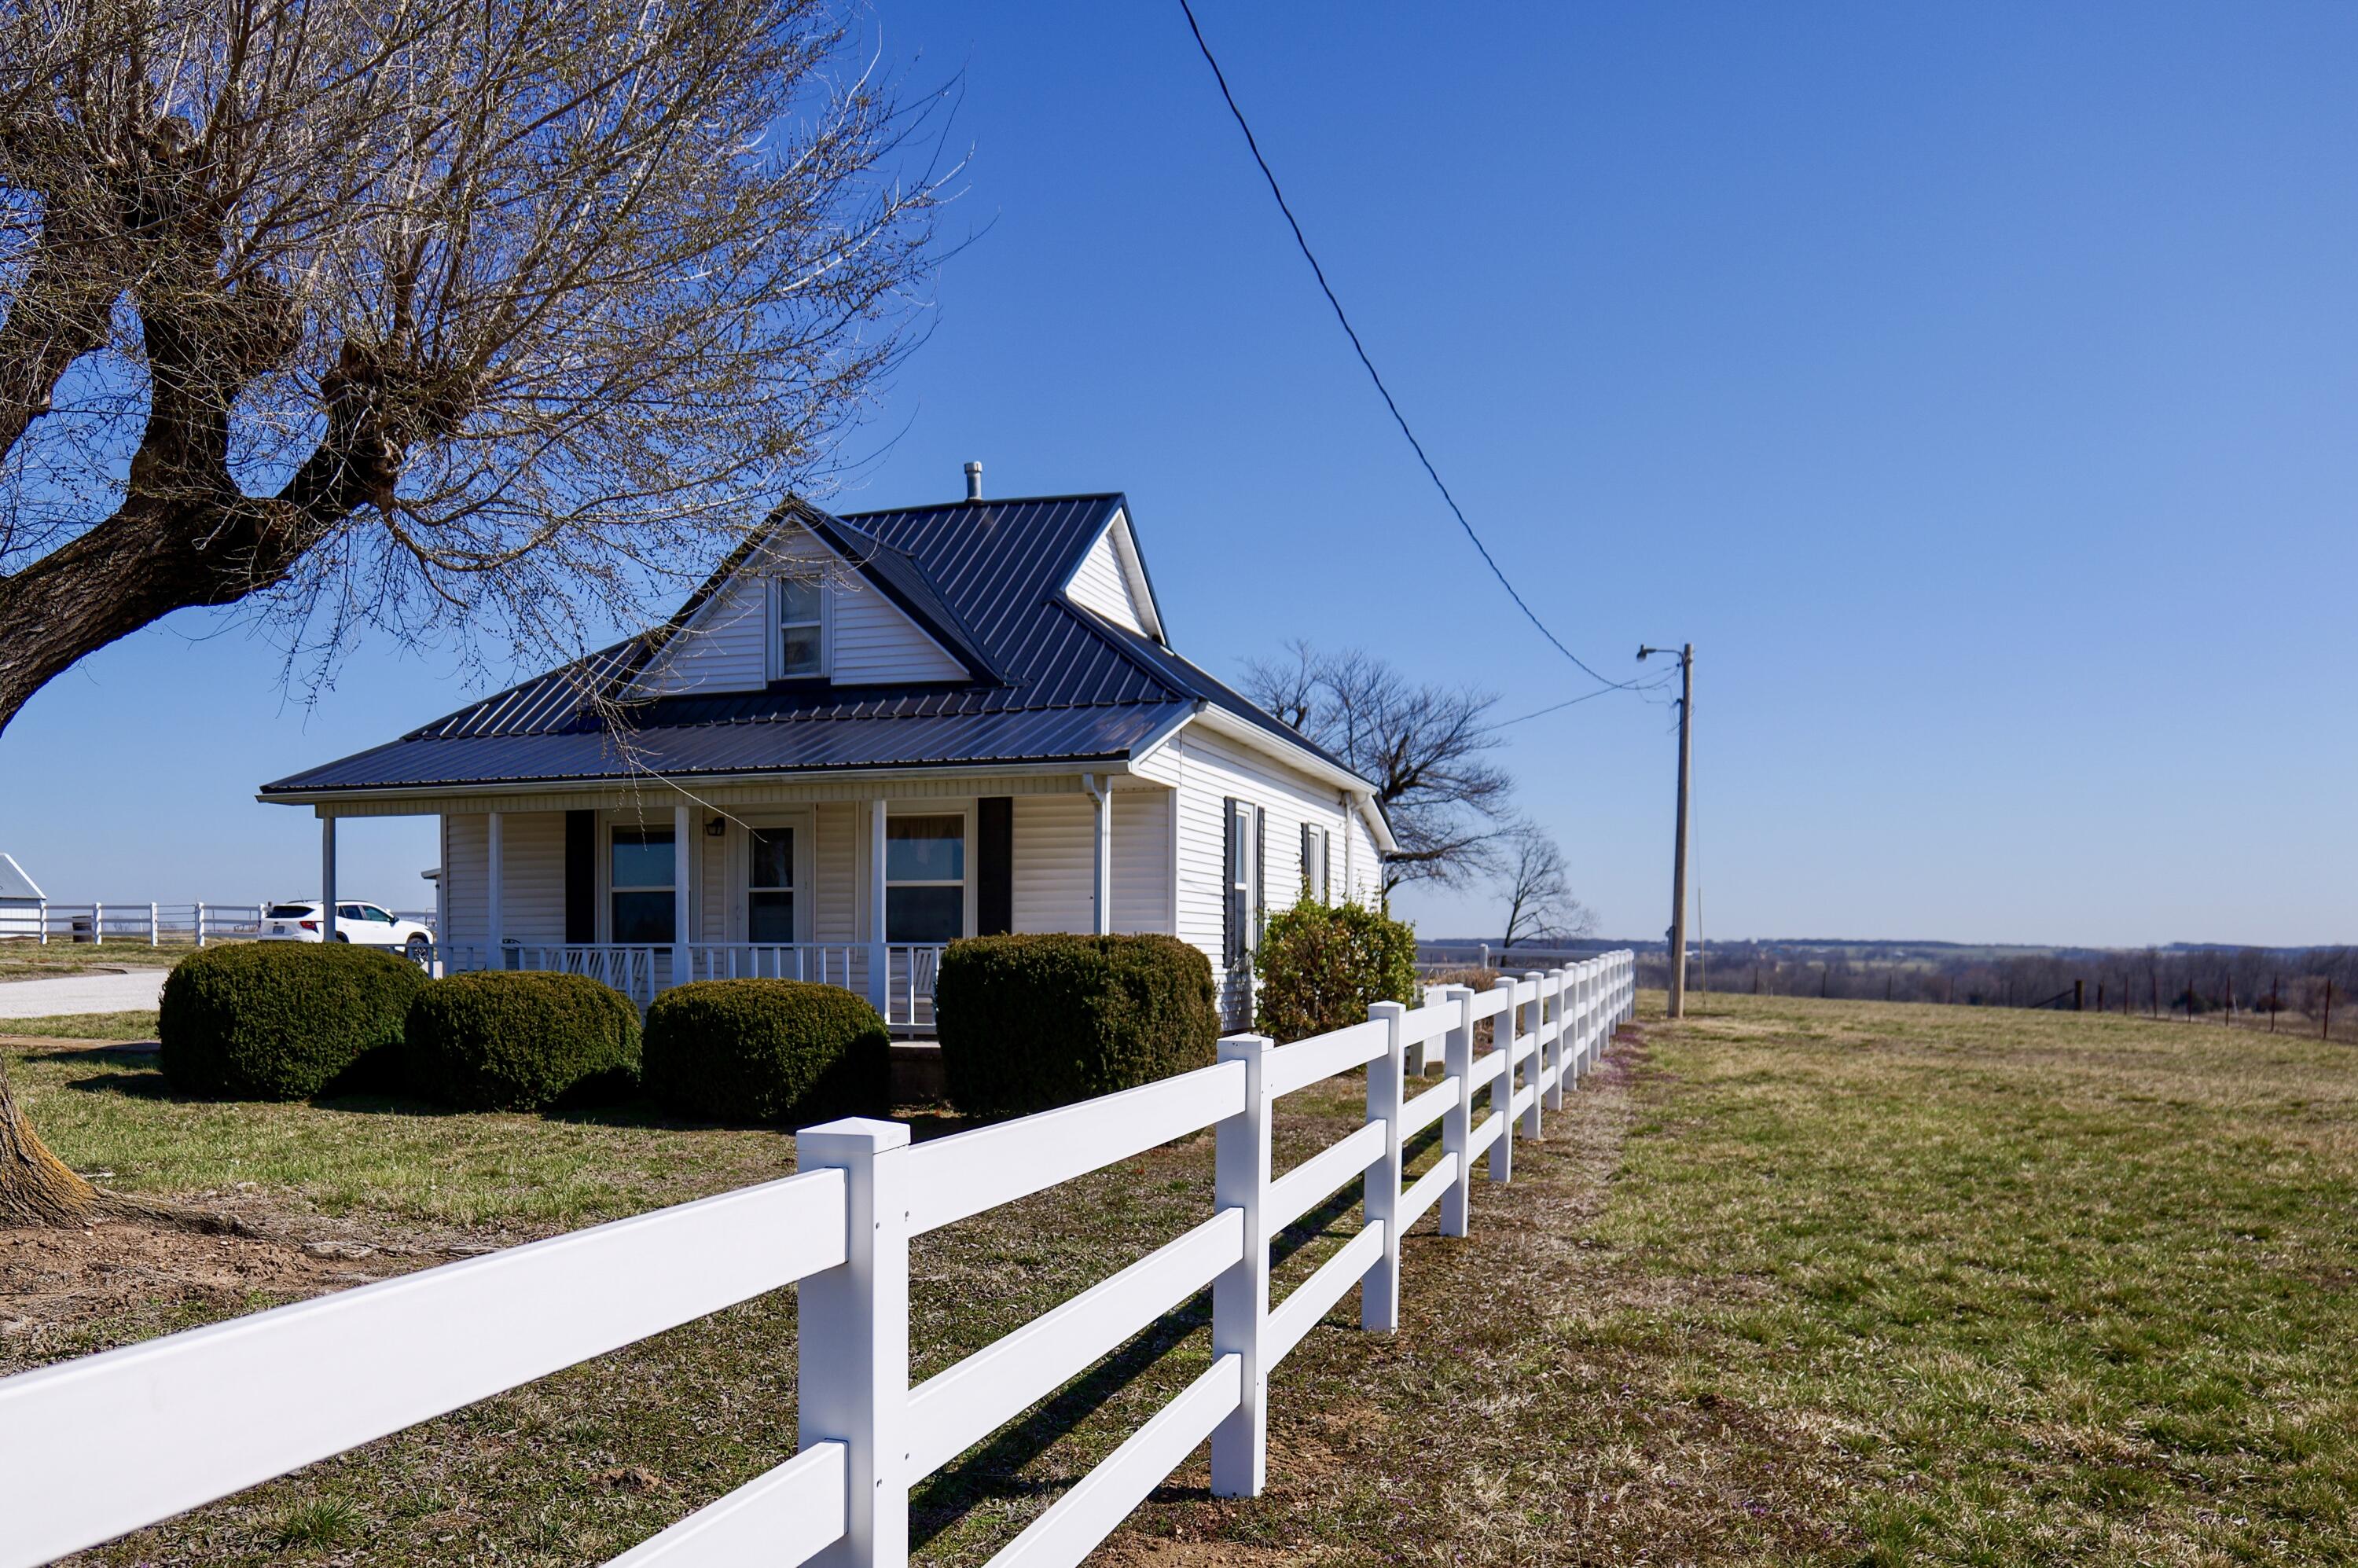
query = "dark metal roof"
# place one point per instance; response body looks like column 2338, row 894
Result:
column 1052, row 682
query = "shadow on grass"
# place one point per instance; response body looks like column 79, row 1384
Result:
column 993, row 1470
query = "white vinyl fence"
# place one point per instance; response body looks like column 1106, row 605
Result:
column 151, row 924
column 91, row 1448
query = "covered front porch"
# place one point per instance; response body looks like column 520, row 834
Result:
column 859, row 885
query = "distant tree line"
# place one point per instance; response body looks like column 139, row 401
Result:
column 2179, row 981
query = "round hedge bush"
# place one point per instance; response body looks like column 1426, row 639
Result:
column 519, row 1040
column 1030, row 1023
column 282, row 1020
column 768, row 1051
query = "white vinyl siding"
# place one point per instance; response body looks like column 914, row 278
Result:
column 732, row 645
column 1142, row 860
column 532, row 897
column 465, row 883
column 1100, row 584
column 725, row 648
column 715, row 884
column 1054, row 863
column 1214, row 770
column 872, row 643
column 842, row 843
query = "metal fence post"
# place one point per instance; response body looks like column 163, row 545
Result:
column 1502, row 1088
column 851, row 1338
column 1457, row 1121
column 201, row 923
column 1380, row 1187
column 1240, row 1295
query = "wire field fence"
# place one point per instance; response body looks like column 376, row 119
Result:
column 149, row 925
column 214, row 1411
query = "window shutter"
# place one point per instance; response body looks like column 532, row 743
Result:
column 581, row 876
column 1230, row 933
column 994, row 901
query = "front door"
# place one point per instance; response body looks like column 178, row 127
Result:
column 770, row 885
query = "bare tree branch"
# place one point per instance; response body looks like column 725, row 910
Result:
column 1424, row 747
column 478, row 325
column 1538, row 885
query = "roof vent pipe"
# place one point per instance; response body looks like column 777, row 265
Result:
column 974, row 481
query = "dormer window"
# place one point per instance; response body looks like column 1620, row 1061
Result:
column 802, row 628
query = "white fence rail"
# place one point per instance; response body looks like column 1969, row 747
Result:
column 149, row 924
column 216, row 1409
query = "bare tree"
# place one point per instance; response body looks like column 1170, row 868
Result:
column 485, row 322
column 1425, row 748
column 476, row 324
column 1538, row 885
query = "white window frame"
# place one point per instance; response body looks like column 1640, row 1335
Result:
column 963, row 809
column 1318, row 863
column 777, row 631
column 1238, row 878
column 607, row 887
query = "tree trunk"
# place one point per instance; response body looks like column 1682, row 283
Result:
column 36, row 1187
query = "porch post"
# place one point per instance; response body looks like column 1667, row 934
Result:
column 683, row 849
column 879, row 987
column 495, row 879
column 326, row 879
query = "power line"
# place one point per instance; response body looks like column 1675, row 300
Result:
column 1360, row 348
column 1654, row 685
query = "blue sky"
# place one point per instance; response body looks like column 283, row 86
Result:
column 1974, row 385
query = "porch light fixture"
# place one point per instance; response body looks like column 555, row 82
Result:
column 717, row 827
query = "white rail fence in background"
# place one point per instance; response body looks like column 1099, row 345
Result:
column 150, row 923
column 91, row 1448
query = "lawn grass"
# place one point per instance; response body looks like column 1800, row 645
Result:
column 1794, row 1282
column 22, row 959
column 2066, row 1289
column 136, row 1025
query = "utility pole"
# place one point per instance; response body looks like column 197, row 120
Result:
column 1678, row 1007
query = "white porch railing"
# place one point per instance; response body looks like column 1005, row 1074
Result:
column 216, row 1409
column 904, row 992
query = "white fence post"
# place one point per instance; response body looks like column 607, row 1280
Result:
column 155, row 928
column 97, row 925
column 1457, row 1121
column 1502, row 1088
column 1559, row 1036
column 201, row 923
column 1379, row 1289
column 1539, row 1051
column 851, row 1338
column 1240, row 1295
column 45, row 923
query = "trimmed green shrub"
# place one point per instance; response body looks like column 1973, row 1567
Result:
column 507, row 1040
column 1322, row 964
column 768, row 1051
column 282, row 1020
column 1029, row 1022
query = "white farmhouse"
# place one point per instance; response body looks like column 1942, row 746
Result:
column 863, row 736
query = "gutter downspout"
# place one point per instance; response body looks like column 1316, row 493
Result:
column 1101, row 867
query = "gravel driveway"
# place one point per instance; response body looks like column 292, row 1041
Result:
column 81, row 994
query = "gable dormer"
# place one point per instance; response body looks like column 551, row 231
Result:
column 794, row 608
column 1111, row 580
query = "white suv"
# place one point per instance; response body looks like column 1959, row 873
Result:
column 370, row 925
